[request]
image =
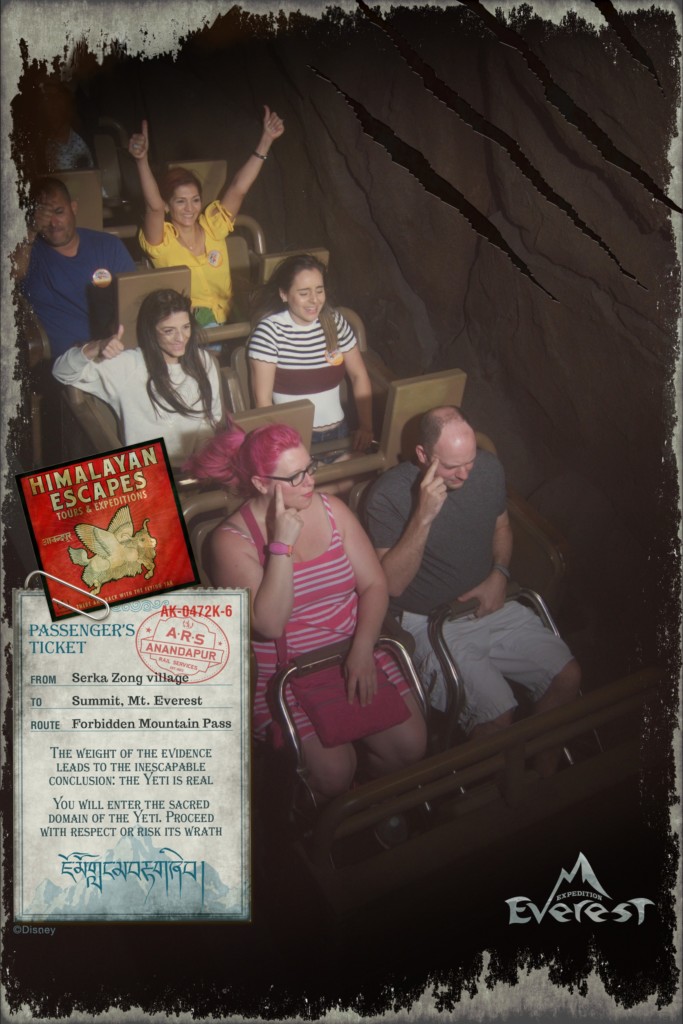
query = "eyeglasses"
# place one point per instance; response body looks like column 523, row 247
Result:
column 296, row 478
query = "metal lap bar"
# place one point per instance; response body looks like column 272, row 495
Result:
column 455, row 686
column 537, row 603
column 324, row 657
column 393, row 644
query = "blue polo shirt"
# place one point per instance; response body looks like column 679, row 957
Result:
column 60, row 288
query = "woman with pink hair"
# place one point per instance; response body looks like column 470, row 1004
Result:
column 314, row 578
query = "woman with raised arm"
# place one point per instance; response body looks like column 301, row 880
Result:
column 167, row 387
column 302, row 348
column 191, row 237
column 314, row 579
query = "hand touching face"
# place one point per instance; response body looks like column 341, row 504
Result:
column 287, row 523
column 433, row 492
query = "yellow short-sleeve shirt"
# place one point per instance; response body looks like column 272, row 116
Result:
column 210, row 283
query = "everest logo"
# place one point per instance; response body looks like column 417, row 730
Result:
column 581, row 899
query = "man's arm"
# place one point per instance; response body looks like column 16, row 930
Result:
column 490, row 593
column 402, row 562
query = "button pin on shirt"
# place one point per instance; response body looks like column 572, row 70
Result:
column 102, row 278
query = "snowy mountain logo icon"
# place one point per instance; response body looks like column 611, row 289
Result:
column 578, row 896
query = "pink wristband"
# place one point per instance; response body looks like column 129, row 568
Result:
column 276, row 547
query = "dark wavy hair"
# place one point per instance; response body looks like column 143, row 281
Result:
column 156, row 307
column 269, row 300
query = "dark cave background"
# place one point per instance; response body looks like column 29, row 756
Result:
column 578, row 392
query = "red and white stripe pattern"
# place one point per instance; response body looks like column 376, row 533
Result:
column 324, row 612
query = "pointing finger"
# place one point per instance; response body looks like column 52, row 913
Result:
column 279, row 501
column 431, row 470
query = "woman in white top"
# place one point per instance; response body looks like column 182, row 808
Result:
column 168, row 387
column 301, row 348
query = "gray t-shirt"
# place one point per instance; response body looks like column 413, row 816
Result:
column 458, row 553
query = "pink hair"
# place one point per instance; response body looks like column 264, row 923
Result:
column 232, row 457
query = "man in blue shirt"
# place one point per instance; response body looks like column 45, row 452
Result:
column 70, row 270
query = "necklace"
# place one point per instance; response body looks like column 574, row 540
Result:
column 196, row 246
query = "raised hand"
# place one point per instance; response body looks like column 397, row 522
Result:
column 287, row 523
column 432, row 493
column 273, row 125
column 138, row 144
column 108, row 348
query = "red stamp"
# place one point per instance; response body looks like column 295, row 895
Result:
column 196, row 649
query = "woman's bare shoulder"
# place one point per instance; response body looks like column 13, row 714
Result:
column 232, row 527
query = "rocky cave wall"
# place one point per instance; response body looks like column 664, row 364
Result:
column 575, row 386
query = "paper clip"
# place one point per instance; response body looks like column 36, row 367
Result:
column 71, row 586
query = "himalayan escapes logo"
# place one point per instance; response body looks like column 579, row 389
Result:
column 582, row 900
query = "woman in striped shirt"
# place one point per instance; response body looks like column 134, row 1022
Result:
column 301, row 348
column 316, row 581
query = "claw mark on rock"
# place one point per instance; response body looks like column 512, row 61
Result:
column 619, row 26
column 486, row 129
column 414, row 162
column 566, row 106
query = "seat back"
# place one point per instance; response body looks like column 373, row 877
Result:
column 211, row 174
column 270, row 260
column 107, row 157
column 85, row 187
column 539, row 551
column 298, row 415
column 252, row 231
column 407, row 401
column 96, row 419
column 356, row 325
column 379, row 373
column 233, row 395
column 238, row 258
column 202, row 512
column 135, row 285
column 240, row 364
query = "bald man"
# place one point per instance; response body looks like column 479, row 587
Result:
column 441, row 530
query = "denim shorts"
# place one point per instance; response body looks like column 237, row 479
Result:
column 335, row 433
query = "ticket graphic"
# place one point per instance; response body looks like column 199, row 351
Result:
column 132, row 760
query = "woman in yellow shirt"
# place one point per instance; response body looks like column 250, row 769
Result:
column 191, row 237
